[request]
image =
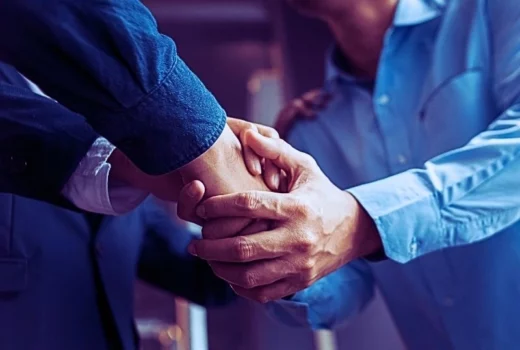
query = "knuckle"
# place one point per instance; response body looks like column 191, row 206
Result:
column 243, row 249
column 278, row 206
column 301, row 208
column 251, row 126
column 308, row 265
column 307, row 243
column 247, row 200
column 271, row 133
column 307, row 161
column 308, row 273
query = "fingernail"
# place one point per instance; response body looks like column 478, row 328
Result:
column 276, row 181
column 192, row 250
column 258, row 167
column 201, row 212
column 192, row 190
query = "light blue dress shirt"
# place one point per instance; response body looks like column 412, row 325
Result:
column 432, row 151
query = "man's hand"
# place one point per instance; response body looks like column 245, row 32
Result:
column 304, row 107
column 255, row 164
column 226, row 152
column 317, row 228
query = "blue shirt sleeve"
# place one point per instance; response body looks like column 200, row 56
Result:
column 329, row 302
column 107, row 61
column 467, row 194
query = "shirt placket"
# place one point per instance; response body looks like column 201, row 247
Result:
column 392, row 124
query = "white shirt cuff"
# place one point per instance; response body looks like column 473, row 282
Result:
column 91, row 189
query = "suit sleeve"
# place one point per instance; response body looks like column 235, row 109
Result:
column 107, row 61
column 41, row 144
column 166, row 263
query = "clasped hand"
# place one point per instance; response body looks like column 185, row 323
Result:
column 313, row 226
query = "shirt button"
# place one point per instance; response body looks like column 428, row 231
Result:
column 401, row 159
column 413, row 247
column 383, row 100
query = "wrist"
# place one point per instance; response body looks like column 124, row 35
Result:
column 222, row 168
column 123, row 171
column 366, row 238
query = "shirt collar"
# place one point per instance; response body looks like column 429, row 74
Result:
column 408, row 13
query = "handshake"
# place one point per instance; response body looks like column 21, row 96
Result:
column 272, row 222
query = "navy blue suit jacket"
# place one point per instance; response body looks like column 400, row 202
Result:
column 67, row 281
column 113, row 74
column 67, row 278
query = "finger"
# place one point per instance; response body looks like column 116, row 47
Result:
column 252, row 275
column 256, row 226
column 251, row 204
column 271, row 175
column 189, row 198
column 251, row 160
column 230, row 227
column 264, row 294
column 267, row 131
column 263, row 245
column 236, row 125
column 284, row 182
column 280, row 152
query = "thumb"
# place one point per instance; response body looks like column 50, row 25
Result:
column 283, row 155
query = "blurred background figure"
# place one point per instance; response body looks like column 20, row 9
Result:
column 262, row 54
